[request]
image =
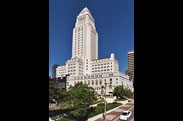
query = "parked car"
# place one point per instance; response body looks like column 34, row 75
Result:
column 125, row 115
column 50, row 119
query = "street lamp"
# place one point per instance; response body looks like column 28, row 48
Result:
column 105, row 99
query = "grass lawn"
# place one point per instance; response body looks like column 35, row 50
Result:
column 98, row 101
column 122, row 99
column 109, row 96
column 100, row 108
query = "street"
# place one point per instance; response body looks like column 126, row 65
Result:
column 131, row 117
column 114, row 114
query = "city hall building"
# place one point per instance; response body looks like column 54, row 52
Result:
column 84, row 66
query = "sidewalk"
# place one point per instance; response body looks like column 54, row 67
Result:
column 113, row 113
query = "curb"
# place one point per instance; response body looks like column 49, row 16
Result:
column 119, row 114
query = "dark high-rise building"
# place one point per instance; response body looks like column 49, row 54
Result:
column 54, row 70
column 131, row 64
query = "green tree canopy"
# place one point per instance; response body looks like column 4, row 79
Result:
column 78, row 98
column 120, row 91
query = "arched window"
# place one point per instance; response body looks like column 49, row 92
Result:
column 92, row 82
column 100, row 81
column 96, row 82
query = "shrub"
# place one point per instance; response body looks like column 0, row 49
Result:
column 100, row 108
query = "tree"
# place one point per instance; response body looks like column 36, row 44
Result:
column 129, row 73
column 78, row 98
column 117, row 91
column 121, row 91
column 55, row 93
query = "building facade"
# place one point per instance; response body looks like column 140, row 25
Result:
column 84, row 64
column 131, row 64
column 54, row 70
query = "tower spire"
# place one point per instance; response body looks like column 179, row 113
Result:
column 85, row 11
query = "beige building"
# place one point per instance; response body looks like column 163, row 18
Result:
column 84, row 65
column 131, row 63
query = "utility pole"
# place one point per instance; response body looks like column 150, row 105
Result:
column 105, row 103
column 105, row 100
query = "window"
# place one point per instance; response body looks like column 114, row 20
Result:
column 100, row 82
column 92, row 82
column 110, row 80
column 110, row 74
column 96, row 82
column 116, row 78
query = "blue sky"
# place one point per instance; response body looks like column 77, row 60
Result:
column 114, row 21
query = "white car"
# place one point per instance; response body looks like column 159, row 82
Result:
column 125, row 115
column 50, row 119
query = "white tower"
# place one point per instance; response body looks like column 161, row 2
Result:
column 85, row 40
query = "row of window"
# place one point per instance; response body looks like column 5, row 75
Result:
column 101, row 64
column 88, row 77
column 71, row 64
column 102, row 70
column 71, row 67
column 71, row 70
column 102, row 60
column 96, row 82
column 78, row 32
column 102, row 67
column 91, row 82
